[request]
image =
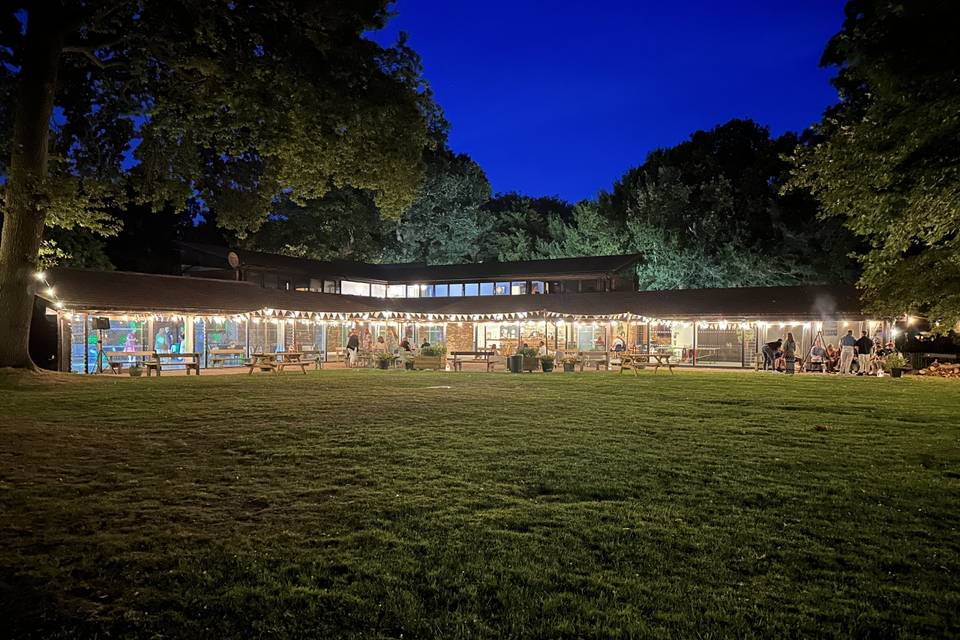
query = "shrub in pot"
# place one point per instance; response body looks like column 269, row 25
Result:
column 569, row 365
column 546, row 363
column 384, row 360
column 895, row 363
column 531, row 361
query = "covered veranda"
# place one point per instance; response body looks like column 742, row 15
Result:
column 225, row 322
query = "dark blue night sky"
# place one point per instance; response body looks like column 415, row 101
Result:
column 561, row 98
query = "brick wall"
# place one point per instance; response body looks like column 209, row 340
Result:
column 460, row 336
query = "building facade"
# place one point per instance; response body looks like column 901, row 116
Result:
column 258, row 302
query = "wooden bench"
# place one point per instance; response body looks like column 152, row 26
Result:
column 458, row 358
column 116, row 359
column 190, row 361
column 218, row 357
column 633, row 362
column 596, row 358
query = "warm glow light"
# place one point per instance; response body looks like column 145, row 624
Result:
column 49, row 291
column 894, row 332
column 40, row 275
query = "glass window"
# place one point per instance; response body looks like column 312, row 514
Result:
column 378, row 290
column 427, row 290
column 456, row 290
column 397, row 291
column 329, row 286
column 471, row 289
column 518, row 288
column 349, row 288
column 554, row 287
column 441, row 290
column 486, row 288
column 413, row 291
column 502, row 289
column 590, row 285
column 590, row 337
column 432, row 333
column 537, row 287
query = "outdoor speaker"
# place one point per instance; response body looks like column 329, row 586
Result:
column 101, row 323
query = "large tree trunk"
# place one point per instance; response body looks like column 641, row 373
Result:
column 24, row 210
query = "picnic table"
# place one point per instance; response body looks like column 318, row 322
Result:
column 277, row 362
column 636, row 361
column 485, row 357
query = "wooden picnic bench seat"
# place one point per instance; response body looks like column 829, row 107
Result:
column 486, row 358
column 219, row 356
column 190, row 361
column 290, row 359
column 597, row 358
column 116, row 359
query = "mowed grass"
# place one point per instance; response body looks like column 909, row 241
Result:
column 430, row 505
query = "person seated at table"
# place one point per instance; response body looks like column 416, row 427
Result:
column 619, row 344
column 405, row 345
column 380, row 346
column 426, row 343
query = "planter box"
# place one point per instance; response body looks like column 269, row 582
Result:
column 546, row 366
column 569, row 367
column 531, row 363
column 428, row 362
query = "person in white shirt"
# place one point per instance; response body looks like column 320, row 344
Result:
column 542, row 351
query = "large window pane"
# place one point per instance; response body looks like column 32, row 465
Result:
column 518, row 288
column 441, row 290
column 456, row 290
column 427, row 290
column 502, row 289
column 397, row 291
column 378, row 290
column 413, row 291
column 329, row 286
column 719, row 345
column 537, row 287
column 471, row 289
column 349, row 288
column 486, row 288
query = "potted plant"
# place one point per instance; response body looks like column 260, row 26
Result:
column 135, row 371
column 546, row 363
column 430, row 357
column 531, row 361
column 384, row 359
column 895, row 363
column 569, row 364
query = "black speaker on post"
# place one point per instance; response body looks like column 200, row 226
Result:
column 101, row 324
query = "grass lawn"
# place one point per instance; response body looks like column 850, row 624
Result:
column 421, row 505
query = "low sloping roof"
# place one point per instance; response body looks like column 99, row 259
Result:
column 124, row 291
column 412, row 273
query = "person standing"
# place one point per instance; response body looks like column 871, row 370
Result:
column 789, row 353
column 864, row 347
column 353, row 345
column 847, row 347
column 770, row 353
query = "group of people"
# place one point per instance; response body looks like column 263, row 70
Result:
column 862, row 356
column 388, row 343
column 780, row 355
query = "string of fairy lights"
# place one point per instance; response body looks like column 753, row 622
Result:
column 559, row 319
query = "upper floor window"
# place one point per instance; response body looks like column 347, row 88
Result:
column 486, row 289
column 397, row 291
column 441, row 290
column 378, row 290
column 413, row 290
column 537, row 286
column 518, row 288
column 502, row 289
column 350, row 288
column 471, row 289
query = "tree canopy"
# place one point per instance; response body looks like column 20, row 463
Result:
column 220, row 105
column 886, row 159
